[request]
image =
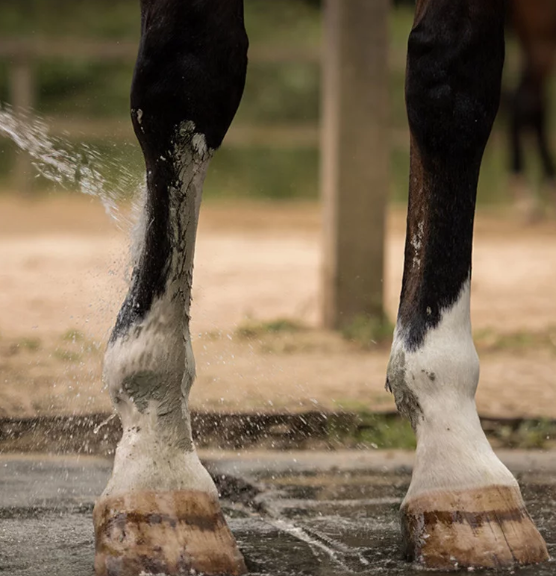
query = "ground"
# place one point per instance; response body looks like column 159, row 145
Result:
column 255, row 311
column 296, row 514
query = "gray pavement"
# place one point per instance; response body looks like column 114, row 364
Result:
column 314, row 513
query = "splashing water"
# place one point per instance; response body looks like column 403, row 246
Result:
column 104, row 423
column 338, row 553
column 71, row 166
column 314, row 541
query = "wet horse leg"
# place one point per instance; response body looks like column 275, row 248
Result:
column 463, row 507
column 160, row 511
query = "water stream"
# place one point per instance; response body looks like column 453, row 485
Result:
column 72, row 166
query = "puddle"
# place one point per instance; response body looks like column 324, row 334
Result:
column 356, row 517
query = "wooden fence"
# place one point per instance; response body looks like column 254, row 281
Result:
column 23, row 55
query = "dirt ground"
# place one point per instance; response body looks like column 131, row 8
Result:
column 62, row 279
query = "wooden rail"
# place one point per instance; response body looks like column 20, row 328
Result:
column 260, row 135
column 270, row 135
column 126, row 51
column 41, row 48
column 23, row 53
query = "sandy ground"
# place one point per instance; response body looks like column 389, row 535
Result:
column 62, row 279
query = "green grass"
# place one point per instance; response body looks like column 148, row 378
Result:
column 367, row 332
column 31, row 344
column 112, row 19
column 88, row 89
column 528, row 434
column 391, row 431
column 277, row 174
column 252, row 329
column 488, row 340
column 67, row 355
column 370, row 430
column 77, row 345
column 73, row 335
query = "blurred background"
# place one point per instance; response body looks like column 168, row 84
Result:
column 265, row 338
column 72, row 63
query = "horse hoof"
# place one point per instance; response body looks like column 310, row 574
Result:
column 173, row 533
column 480, row 528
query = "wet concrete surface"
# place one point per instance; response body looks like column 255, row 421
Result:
column 304, row 513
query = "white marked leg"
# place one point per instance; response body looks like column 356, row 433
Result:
column 463, row 507
column 159, row 513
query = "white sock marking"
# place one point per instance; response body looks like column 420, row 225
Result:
column 156, row 451
column 442, row 375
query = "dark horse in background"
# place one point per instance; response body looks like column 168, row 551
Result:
column 534, row 24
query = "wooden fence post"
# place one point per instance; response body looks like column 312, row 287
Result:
column 22, row 94
column 355, row 160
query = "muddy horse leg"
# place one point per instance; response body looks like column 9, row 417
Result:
column 160, row 510
column 463, row 507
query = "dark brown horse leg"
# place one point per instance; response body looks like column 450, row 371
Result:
column 543, row 144
column 542, row 140
column 517, row 125
column 521, row 191
column 533, row 22
column 527, row 114
column 463, row 507
column 159, row 513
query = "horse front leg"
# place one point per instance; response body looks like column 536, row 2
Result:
column 160, row 511
column 463, row 507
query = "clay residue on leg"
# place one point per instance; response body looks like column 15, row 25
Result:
column 144, row 386
column 406, row 400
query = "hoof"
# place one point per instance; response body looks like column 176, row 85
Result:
column 181, row 532
column 480, row 528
